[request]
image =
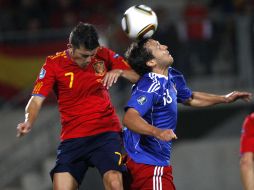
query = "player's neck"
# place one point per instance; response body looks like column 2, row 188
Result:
column 161, row 71
column 69, row 53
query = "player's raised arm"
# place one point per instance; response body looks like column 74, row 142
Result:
column 117, row 67
column 31, row 112
column 130, row 75
column 202, row 99
column 112, row 76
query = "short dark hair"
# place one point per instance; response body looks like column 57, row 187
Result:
column 137, row 55
column 85, row 35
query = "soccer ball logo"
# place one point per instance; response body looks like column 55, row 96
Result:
column 139, row 22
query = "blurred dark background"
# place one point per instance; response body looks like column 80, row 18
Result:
column 212, row 42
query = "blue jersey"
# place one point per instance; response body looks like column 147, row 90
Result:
column 155, row 97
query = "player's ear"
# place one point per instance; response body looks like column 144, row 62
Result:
column 151, row 63
column 69, row 46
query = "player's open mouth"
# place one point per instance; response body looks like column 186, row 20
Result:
column 166, row 52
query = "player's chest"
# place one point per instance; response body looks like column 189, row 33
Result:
column 169, row 94
column 74, row 78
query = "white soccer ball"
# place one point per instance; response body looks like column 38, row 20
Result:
column 139, row 22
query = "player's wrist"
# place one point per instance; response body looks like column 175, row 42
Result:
column 227, row 97
column 28, row 123
column 120, row 72
column 154, row 131
column 224, row 99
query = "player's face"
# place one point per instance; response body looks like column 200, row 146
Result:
column 160, row 52
column 82, row 56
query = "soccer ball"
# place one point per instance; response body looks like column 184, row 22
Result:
column 139, row 22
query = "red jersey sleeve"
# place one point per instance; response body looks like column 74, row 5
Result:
column 45, row 80
column 248, row 125
column 247, row 136
column 114, row 60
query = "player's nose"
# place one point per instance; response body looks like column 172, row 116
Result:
column 164, row 47
column 88, row 59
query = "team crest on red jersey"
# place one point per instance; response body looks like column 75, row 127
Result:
column 99, row 68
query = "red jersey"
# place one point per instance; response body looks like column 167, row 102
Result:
column 247, row 137
column 84, row 102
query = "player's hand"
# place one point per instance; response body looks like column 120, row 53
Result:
column 23, row 129
column 111, row 77
column 235, row 95
column 166, row 135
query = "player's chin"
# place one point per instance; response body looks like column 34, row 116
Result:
column 170, row 60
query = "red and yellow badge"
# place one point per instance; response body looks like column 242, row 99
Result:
column 99, row 68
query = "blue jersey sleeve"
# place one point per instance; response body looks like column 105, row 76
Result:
column 183, row 91
column 141, row 99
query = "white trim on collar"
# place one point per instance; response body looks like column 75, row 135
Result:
column 160, row 75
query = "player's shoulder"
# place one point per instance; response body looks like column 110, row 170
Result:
column 150, row 83
column 104, row 53
column 57, row 57
column 177, row 77
column 174, row 72
column 103, row 50
column 250, row 117
column 248, row 124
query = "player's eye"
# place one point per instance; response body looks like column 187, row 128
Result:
column 85, row 56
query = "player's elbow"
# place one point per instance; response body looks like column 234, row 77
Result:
column 125, row 120
column 131, row 118
column 128, row 117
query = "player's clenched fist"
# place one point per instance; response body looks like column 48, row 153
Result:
column 23, row 128
column 165, row 135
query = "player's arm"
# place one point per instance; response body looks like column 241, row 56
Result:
column 112, row 76
column 247, row 170
column 202, row 99
column 118, row 68
column 31, row 112
column 130, row 75
column 133, row 121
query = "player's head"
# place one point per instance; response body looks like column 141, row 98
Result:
column 84, row 35
column 83, row 43
column 137, row 56
column 148, row 55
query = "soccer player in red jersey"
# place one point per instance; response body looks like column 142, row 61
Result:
column 247, row 153
column 80, row 77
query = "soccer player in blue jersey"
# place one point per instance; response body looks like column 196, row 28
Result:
column 151, row 114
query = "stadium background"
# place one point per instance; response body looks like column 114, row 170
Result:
column 212, row 42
